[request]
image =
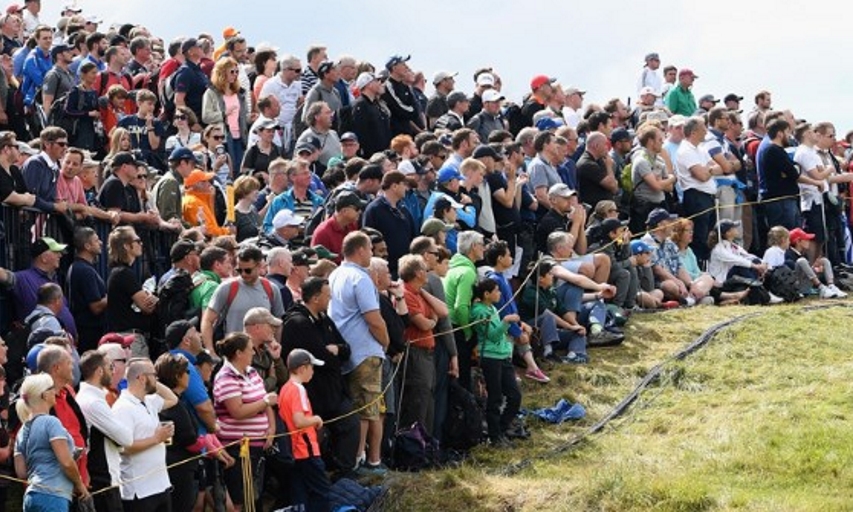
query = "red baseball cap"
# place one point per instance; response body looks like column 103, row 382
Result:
column 540, row 80
column 14, row 9
column 798, row 234
column 114, row 337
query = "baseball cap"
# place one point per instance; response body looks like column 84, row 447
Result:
column 324, row 253
column 59, row 48
column 652, row 56
column 198, row 176
column 93, row 18
column 455, row 98
column 540, row 80
column 261, row 315
column 648, row 90
column 176, row 331
column 574, row 90
column 608, row 225
column 484, row 150
column 364, row 79
column 448, row 173
column 396, row 59
column 14, row 9
column 266, row 124
column 347, row 199
column 659, row 215
column 189, row 44
column 797, row 234
column 548, row 123
column 304, row 257
column 286, row 218
column 299, row 357
column 181, row 153
column 113, row 337
column 726, row 224
column 123, row 158
column 620, row 134
column 639, row 247
column 492, row 95
column 561, row 190
column 42, row 245
column 442, row 75
column 349, row 136
column 687, row 71
column 26, row 149
column 311, row 140
column 434, row 226
column 677, row 120
column 324, row 68
column 230, row 32
column 486, row 80
column 181, row 249
column 708, row 97
column 733, row 97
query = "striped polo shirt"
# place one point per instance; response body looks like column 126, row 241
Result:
column 230, row 383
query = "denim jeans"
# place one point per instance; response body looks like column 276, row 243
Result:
column 41, row 502
column 784, row 212
column 694, row 203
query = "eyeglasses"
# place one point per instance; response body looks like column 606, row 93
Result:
column 218, row 137
column 234, row 71
column 120, row 360
column 246, row 270
column 180, row 118
column 295, row 70
column 136, row 241
column 61, row 143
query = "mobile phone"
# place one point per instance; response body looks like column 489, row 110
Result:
column 220, row 150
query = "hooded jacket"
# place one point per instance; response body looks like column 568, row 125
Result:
column 459, row 289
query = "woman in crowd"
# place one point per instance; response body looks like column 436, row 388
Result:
column 217, row 159
column 258, row 157
column 130, row 307
column 246, row 216
column 82, row 107
column 183, row 119
column 119, row 141
column 266, row 61
column 244, row 409
column 225, row 102
column 44, row 450
column 173, row 371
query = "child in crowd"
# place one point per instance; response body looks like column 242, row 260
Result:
column 809, row 275
column 310, row 483
column 729, row 260
column 446, row 212
column 648, row 297
column 778, row 243
column 495, row 349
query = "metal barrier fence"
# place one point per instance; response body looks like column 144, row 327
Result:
column 23, row 226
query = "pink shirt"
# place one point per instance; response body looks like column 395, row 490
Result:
column 229, row 383
column 232, row 114
column 70, row 190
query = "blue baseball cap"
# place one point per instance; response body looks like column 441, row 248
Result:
column 548, row 123
column 448, row 173
column 181, row 153
column 396, row 59
column 639, row 247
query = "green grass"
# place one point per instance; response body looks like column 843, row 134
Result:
column 759, row 420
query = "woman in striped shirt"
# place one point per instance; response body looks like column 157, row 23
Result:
column 243, row 408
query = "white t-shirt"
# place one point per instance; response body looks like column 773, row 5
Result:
column 774, row 256
column 288, row 97
column 808, row 160
column 571, row 116
column 688, row 156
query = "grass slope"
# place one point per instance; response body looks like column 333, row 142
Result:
column 759, row 420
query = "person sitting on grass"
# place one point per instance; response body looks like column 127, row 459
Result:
column 778, row 242
column 648, row 296
column 729, row 260
column 539, row 306
column 612, row 239
column 495, row 348
column 499, row 258
column 809, row 275
column 311, row 485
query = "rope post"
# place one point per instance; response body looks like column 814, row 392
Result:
column 248, row 483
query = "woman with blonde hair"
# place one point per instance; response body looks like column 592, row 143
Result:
column 225, row 102
column 119, row 141
column 44, row 450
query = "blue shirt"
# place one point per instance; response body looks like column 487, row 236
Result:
column 196, row 392
column 286, row 201
column 395, row 224
column 27, row 283
column 36, row 66
column 43, row 470
column 191, row 80
column 762, row 148
column 85, row 286
column 353, row 295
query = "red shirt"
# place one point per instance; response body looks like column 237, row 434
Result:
column 292, row 399
column 65, row 413
column 331, row 235
column 417, row 305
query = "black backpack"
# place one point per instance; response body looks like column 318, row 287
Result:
column 415, row 449
column 17, row 339
column 463, row 427
column 174, row 302
column 782, row 281
column 515, row 119
column 57, row 116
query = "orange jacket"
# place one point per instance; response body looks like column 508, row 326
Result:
column 195, row 202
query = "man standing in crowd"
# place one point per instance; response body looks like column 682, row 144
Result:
column 387, row 215
column 596, row 175
column 288, row 89
column 371, row 117
column 458, row 290
column 650, row 77
column 190, row 81
column 315, row 56
column 454, row 118
column 696, row 170
column 87, row 291
column 183, row 338
column 319, row 117
column 680, row 99
column 444, row 82
column 406, row 115
column 354, row 308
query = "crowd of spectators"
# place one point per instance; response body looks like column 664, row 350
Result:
column 341, row 243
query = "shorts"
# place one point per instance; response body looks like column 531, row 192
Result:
column 365, row 387
column 813, row 221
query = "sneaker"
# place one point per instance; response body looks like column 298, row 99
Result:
column 775, row 299
column 707, row 301
column 838, row 293
column 538, row 375
column 604, row 339
column 574, row 358
column 378, row 469
column 812, row 291
column 826, row 292
column 689, row 302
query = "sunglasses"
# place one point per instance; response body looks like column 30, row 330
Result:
column 244, row 270
column 219, row 137
column 234, row 71
column 61, row 144
column 296, row 70
column 181, row 118
column 141, row 176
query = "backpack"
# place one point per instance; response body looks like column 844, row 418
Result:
column 782, row 281
column 515, row 119
column 174, row 297
column 17, row 339
column 345, row 119
column 167, row 98
column 463, row 427
column 414, row 449
column 57, row 116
